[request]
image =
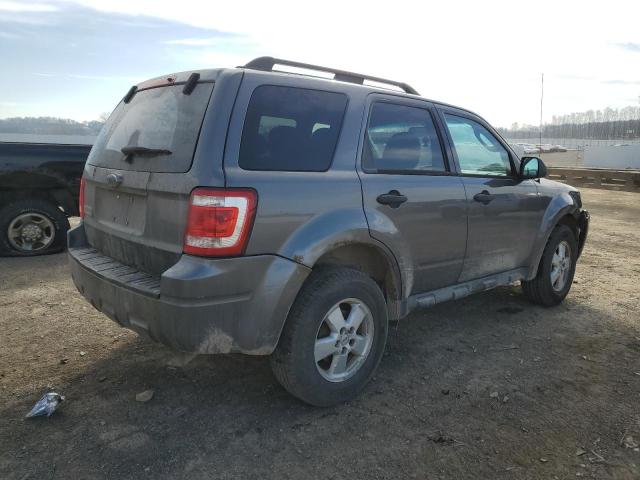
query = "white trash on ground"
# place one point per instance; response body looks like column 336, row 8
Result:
column 46, row 405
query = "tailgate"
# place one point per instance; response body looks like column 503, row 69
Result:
column 136, row 204
column 139, row 222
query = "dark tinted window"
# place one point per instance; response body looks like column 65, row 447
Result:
column 160, row 118
column 401, row 138
column 291, row 129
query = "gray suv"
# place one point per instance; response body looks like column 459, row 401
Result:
column 270, row 213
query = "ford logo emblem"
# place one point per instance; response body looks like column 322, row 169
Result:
column 114, row 180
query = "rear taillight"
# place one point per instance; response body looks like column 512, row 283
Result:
column 219, row 221
column 81, row 199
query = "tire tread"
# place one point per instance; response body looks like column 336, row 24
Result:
column 282, row 361
column 538, row 290
column 11, row 210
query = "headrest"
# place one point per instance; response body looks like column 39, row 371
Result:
column 402, row 151
column 281, row 134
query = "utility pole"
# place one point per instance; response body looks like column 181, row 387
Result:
column 541, row 98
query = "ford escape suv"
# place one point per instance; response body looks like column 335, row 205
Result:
column 294, row 215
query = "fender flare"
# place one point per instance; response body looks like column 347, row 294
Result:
column 559, row 207
column 334, row 229
column 41, row 183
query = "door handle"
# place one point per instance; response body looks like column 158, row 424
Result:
column 483, row 197
column 394, row 199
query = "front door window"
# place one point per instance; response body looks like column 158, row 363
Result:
column 479, row 152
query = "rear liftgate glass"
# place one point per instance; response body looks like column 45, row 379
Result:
column 154, row 129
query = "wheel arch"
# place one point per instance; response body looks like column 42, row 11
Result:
column 562, row 210
column 59, row 197
column 375, row 262
column 341, row 237
column 570, row 221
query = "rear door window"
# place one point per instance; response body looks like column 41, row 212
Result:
column 401, row 139
column 161, row 118
column 291, row 129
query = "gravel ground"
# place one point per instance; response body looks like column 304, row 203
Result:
column 488, row 387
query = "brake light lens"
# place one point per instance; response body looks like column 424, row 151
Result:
column 219, row 221
column 81, row 199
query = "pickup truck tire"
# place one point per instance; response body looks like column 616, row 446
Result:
column 47, row 223
column 555, row 272
column 340, row 309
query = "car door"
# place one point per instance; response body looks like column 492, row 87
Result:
column 412, row 201
column 503, row 211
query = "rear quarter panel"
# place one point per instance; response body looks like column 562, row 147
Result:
column 303, row 215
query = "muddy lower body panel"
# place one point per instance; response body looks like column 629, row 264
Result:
column 198, row 305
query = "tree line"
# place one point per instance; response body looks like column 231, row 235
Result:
column 50, row 126
column 607, row 124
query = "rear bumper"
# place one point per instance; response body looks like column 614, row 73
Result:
column 199, row 305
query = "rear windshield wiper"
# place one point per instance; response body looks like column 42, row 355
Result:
column 131, row 150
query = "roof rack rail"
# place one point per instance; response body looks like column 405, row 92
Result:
column 267, row 63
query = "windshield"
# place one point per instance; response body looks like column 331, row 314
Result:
column 160, row 119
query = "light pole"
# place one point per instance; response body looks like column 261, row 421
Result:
column 541, row 99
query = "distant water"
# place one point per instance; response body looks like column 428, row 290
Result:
column 37, row 138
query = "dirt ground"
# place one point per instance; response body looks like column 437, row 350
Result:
column 488, row 387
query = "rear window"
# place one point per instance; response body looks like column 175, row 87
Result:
column 291, row 129
column 161, row 118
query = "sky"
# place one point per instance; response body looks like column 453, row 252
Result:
column 77, row 58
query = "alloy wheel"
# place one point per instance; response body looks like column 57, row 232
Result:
column 560, row 266
column 344, row 340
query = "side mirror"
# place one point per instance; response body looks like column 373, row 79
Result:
column 532, row 167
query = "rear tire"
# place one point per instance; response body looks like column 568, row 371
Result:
column 32, row 227
column 315, row 329
column 555, row 272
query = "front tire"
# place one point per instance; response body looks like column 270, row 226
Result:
column 334, row 337
column 555, row 272
column 32, row 227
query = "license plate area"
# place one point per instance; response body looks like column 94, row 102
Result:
column 119, row 210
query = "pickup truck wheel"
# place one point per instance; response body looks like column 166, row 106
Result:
column 334, row 337
column 555, row 272
column 32, row 227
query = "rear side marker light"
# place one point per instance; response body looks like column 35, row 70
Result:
column 219, row 221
